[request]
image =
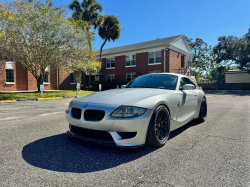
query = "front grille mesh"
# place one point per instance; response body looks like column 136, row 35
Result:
column 94, row 115
column 92, row 134
column 76, row 113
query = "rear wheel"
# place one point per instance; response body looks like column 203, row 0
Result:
column 203, row 110
column 159, row 127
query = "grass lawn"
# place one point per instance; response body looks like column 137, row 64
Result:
column 35, row 95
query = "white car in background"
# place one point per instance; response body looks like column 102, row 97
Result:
column 145, row 111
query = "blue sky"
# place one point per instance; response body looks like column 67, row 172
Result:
column 144, row 20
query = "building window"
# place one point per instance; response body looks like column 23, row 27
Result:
column 46, row 78
column 155, row 71
column 9, row 75
column 154, row 57
column 72, row 78
column 9, row 71
column 110, row 63
column 110, row 77
column 9, row 58
column 130, row 76
column 97, row 78
column 131, row 60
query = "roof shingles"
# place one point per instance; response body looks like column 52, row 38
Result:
column 142, row 45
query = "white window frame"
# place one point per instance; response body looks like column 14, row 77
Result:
column 46, row 69
column 154, row 71
column 112, row 77
column 131, row 75
column 130, row 61
column 97, row 78
column 154, row 58
column 9, row 66
column 110, row 63
column 71, row 72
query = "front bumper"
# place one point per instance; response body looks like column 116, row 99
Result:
column 112, row 126
column 103, row 143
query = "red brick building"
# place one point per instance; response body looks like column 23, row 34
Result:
column 13, row 77
column 171, row 54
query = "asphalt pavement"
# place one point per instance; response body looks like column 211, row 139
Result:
column 35, row 151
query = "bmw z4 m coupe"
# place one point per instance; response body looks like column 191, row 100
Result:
column 146, row 110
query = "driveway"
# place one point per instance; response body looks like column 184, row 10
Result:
column 35, row 151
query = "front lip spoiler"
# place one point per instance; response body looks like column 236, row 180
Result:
column 101, row 142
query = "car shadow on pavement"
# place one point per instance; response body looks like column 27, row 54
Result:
column 183, row 128
column 64, row 154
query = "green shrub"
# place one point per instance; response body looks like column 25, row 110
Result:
column 106, row 85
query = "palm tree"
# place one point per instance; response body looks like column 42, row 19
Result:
column 88, row 11
column 110, row 29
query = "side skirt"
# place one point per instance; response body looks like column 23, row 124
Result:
column 176, row 124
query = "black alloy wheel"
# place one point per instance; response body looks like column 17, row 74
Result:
column 162, row 126
column 159, row 127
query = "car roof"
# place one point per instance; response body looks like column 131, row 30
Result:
column 176, row 74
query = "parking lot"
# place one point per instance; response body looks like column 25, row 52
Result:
column 35, row 151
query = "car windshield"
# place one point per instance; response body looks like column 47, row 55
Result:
column 159, row 81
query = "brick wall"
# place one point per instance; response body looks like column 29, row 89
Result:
column 24, row 80
column 141, row 67
column 21, row 77
column 64, row 80
column 183, row 61
column 174, row 61
column 31, row 81
column 52, row 82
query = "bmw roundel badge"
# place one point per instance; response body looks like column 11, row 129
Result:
column 86, row 104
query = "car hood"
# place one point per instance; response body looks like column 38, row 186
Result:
column 121, row 96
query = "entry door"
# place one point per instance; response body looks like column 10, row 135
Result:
column 188, row 103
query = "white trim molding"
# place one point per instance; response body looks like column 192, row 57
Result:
column 10, row 83
column 154, row 64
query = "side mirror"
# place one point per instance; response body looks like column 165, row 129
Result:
column 123, row 86
column 188, row 87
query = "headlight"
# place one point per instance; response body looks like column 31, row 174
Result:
column 128, row 111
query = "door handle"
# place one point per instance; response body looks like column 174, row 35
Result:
column 195, row 95
column 179, row 104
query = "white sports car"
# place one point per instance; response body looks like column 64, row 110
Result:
column 145, row 111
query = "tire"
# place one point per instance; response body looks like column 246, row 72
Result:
column 159, row 127
column 203, row 110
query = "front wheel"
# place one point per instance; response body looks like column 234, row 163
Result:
column 203, row 110
column 159, row 127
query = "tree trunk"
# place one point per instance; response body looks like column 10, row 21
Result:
column 89, row 38
column 89, row 78
column 100, row 59
column 39, row 82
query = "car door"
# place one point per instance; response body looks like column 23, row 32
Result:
column 188, row 103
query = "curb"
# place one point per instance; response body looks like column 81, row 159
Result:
column 8, row 101
column 37, row 99
column 40, row 99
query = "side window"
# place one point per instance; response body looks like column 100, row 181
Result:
column 181, row 84
column 184, row 81
column 191, row 82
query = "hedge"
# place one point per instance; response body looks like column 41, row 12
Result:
column 106, row 85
